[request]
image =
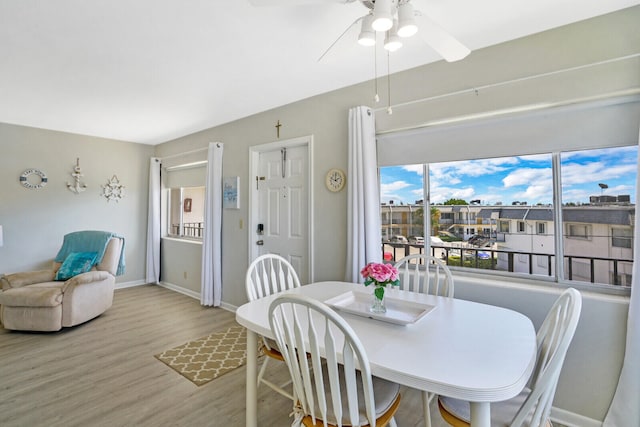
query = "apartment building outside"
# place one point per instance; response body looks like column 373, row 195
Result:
column 597, row 237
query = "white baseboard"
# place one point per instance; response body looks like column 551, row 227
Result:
column 571, row 419
column 180, row 290
column 194, row 295
column 130, row 284
column 228, row 307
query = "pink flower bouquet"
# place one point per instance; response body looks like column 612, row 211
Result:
column 380, row 275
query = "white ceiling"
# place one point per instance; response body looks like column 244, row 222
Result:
column 149, row 71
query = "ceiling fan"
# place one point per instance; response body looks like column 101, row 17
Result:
column 396, row 19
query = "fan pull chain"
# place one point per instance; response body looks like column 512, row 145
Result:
column 389, row 110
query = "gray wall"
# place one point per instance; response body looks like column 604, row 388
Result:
column 35, row 221
column 186, row 271
column 593, row 364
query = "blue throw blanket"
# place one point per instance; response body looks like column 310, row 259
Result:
column 89, row 241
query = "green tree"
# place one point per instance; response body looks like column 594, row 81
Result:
column 456, row 202
column 435, row 221
column 418, row 218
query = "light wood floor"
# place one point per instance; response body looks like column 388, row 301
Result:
column 103, row 373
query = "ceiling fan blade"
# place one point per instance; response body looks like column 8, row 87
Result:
column 341, row 37
column 440, row 40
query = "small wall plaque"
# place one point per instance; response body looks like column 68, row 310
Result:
column 36, row 183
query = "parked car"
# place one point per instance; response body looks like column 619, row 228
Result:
column 398, row 238
column 416, row 240
column 436, row 241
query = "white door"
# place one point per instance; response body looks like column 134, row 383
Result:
column 282, row 222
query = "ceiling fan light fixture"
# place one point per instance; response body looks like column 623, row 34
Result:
column 382, row 16
column 367, row 36
column 406, row 20
column 392, row 42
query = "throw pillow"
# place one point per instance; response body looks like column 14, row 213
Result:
column 76, row 263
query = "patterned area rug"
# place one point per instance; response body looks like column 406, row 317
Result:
column 207, row 358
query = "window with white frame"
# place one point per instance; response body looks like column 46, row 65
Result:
column 622, row 237
column 597, row 191
column 184, row 199
column 186, row 212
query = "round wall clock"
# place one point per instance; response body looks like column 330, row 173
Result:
column 335, row 180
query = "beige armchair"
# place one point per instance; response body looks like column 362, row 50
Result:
column 35, row 301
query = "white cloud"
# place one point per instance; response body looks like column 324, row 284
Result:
column 417, row 169
column 517, row 178
column 594, row 172
column 389, row 191
column 394, row 186
column 472, row 168
column 525, row 176
column 536, row 158
column 442, row 194
column 534, row 194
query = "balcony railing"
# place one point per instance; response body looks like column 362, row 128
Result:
column 486, row 258
column 189, row 229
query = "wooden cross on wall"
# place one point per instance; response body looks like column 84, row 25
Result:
column 278, row 128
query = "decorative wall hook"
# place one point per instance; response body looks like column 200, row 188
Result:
column 77, row 187
column 113, row 190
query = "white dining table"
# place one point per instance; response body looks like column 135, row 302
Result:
column 462, row 349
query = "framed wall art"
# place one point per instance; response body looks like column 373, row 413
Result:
column 230, row 196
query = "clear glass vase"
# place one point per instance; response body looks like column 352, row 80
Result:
column 377, row 306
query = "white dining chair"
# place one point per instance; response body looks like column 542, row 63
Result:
column 425, row 274
column 269, row 274
column 532, row 406
column 429, row 275
column 333, row 387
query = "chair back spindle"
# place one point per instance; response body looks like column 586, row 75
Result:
column 553, row 340
column 425, row 274
column 334, row 399
column 269, row 274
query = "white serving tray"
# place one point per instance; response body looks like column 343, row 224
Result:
column 399, row 311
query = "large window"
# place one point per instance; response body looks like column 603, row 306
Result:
column 515, row 215
column 552, row 189
column 597, row 210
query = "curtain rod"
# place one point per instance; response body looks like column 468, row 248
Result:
column 171, row 156
column 520, row 79
column 513, row 110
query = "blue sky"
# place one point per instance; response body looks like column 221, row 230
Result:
column 509, row 179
